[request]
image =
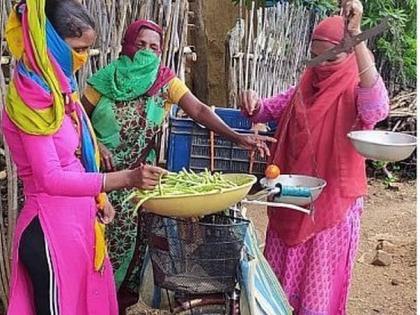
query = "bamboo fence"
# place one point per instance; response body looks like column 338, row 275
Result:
column 266, row 49
column 111, row 17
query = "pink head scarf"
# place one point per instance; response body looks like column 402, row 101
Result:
column 312, row 140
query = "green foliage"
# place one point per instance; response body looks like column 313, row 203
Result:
column 387, row 172
column 322, row 7
column 397, row 47
column 378, row 164
column 396, row 50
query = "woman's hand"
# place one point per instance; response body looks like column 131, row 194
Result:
column 256, row 142
column 249, row 102
column 106, row 211
column 107, row 214
column 107, row 162
column 353, row 11
column 146, row 176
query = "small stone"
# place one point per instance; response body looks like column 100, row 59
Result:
column 395, row 282
column 394, row 186
column 382, row 259
column 386, row 246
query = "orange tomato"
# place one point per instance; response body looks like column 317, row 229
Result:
column 272, row 171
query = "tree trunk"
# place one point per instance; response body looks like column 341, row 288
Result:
column 200, row 67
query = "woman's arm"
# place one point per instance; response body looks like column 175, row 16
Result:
column 143, row 177
column 89, row 108
column 353, row 10
column 372, row 96
column 89, row 99
column 54, row 180
column 373, row 103
column 202, row 113
column 366, row 64
column 48, row 173
column 265, row 110
column 198, row 111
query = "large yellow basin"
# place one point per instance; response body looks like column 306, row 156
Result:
column 203, row 203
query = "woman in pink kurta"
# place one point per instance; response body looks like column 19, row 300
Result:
column 55, row 267
column 313, row 256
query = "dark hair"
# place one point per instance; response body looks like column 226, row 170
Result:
column 68, row 17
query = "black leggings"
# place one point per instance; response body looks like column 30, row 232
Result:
column 35, row 256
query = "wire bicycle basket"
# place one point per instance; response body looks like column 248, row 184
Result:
column 195, row 257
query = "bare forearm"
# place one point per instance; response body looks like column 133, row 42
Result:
column 213, row 122
column 87, row 106
column 202, row 114
column 366, row 63
column 117, row 180
column 353, row 13
column 143, row 177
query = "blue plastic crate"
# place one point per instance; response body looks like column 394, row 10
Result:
column 189, row 145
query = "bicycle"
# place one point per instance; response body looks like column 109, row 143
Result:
column 197, row 260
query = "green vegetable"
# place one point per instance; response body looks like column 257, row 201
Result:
column 184, row 183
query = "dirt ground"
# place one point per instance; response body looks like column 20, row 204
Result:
column 389, row 215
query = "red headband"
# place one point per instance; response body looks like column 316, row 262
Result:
column 129, row 47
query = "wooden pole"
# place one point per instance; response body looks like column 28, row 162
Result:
column 269, row 62
column 212, row 155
